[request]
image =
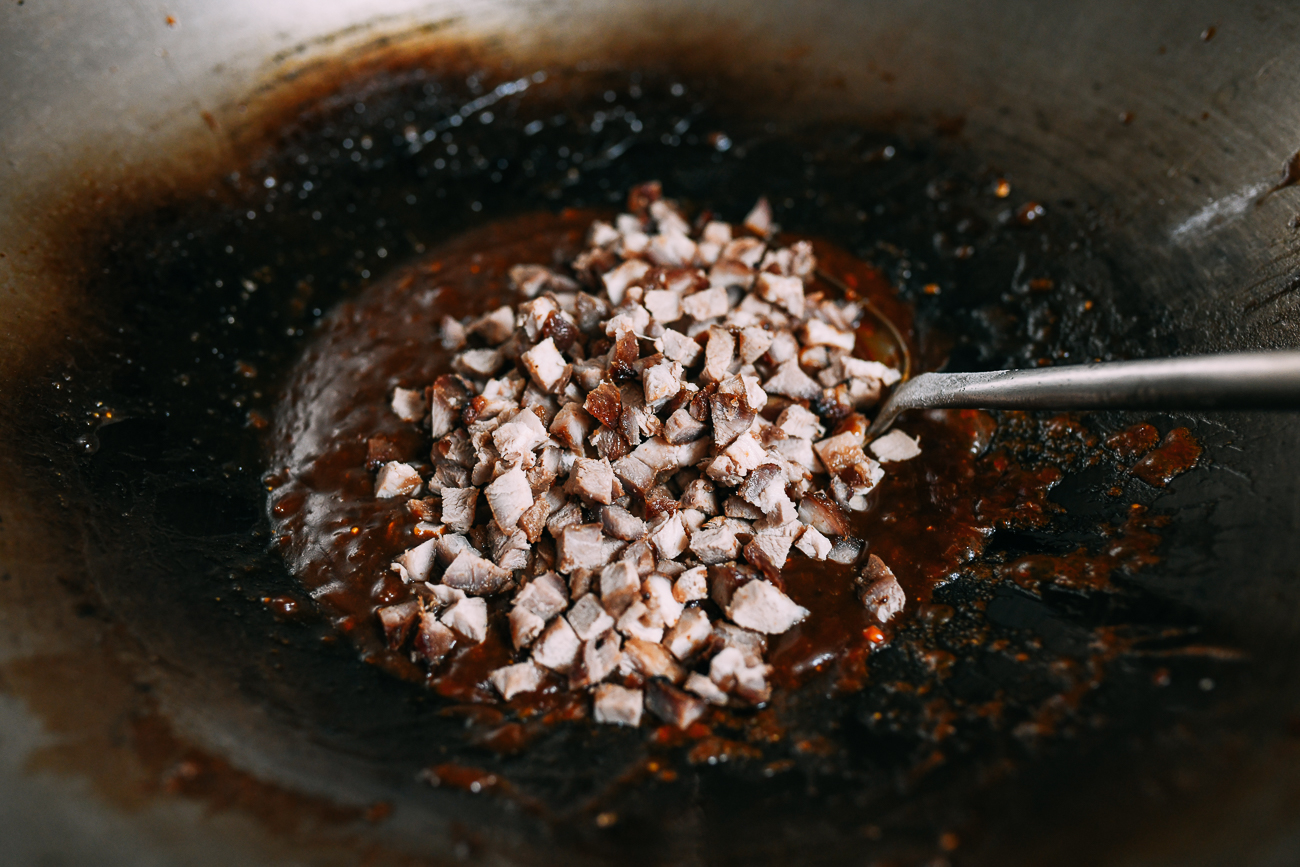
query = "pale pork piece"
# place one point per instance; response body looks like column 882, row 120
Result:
column 662, row 428
column 895, row 446
column 397, row 479
column 409, row 404
column 618, row 705
column 511, row 680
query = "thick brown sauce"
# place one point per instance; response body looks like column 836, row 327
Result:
column 930, row 516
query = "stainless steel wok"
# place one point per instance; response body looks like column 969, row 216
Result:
column 138, row 727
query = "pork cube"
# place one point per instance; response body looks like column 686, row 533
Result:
column 458, row 508
column 672, row 705
column 784, row 348
column 634, row 474
column 738, row 460
column 495, row 327
column 558, row 646
column 692, row 585
column 715, row 544
column 433, row 640
column 622, row 524
column 752, row 645
column 846, row 551
column 754, row 341
column 690, row 634
column 592, row 480
column 765, row 488
column 589, row 618
column 581, row 546
column 719, row 352
column 533, row 315
column 545, row 596
column 451, row 334
column 760, row 606
column 533, row 520
column 880, row 591
column 518, row 437
column 731, row 415
column 702, row 496
column 664, row 305
column 546, row 366
column 658, row 592
column 735, row 507
column 478, row 362
column 662, row 381
column 617, row 280
column 798, row 422
column 814, row 544
column 817, row 333
column 653, row 660
column 759, row 219
column 670, row 538
column 840, row 452
column 441, row 595
column 571, row 426
column 529, row 280
column 566, row 516
column 682, row 428
column 396, row 479
column 630, row 319
column 525, row 626
column 449, row 546
column 860, row 368
column 509, row 496
column 397, row 621
column 468, row 619
column 768, row 553
column 475, row 576
column 678, row 347
column 895, row 446
column 617, row 705
column 785, row 292
column 658, row 454
column 635, row 622
column 409, row 404
column 728, row 272
column 818, row 511
column 416, row 564
column 511, row 680
column 705, row 689
column 597, row 660
column 708, row 304
column 620, row 585
column 790, row 381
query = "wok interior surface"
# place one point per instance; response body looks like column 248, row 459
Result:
column 158, row 710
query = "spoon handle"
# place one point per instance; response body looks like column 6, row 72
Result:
column 1244, row 380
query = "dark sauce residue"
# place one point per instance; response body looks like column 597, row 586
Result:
column 215, row 300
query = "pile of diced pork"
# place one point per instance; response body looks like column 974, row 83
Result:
column 631, row 453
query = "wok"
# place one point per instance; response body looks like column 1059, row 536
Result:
column 155, row 710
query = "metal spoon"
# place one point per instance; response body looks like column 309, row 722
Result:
column 1244, row 380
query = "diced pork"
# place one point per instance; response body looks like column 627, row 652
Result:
column 760, row 606
column 618, row 705
column 880, row 591
column 895, row 446
column 468, row 619
column 475, row 575
column 397, row 479
column 514, row 679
